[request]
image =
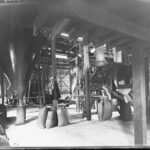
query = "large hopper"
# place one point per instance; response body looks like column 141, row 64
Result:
column 16, row 59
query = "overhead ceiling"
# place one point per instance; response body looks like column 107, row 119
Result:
column 116, row 22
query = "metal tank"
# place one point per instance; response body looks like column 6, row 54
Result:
column 16, row 59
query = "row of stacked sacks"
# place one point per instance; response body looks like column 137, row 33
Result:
column 52, row 117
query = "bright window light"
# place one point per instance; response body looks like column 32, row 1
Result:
column 92, row 50
column 80, row 39
column 80, row 55
column 64, row 34
column 61, row 56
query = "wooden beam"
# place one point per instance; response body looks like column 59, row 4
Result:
column 39, row 83
column 53, row 56
column 87, row 82
column 127, row 46
column 70, row 81
column 29, row 88
column 147, row 87
column 139, row 95
column 43, row 84
column 118, row 41
column 53, row 49
column 106, row 39
column 98, row 16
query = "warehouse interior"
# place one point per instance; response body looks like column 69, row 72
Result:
column 74, row 73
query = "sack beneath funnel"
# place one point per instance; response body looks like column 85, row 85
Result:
column 42, row 117
column 52, row 119
column 104, row 110
column 125, row 111
column 3, row 137
column 4, row 141
column 62, row 116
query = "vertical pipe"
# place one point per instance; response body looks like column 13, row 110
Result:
column 139, row 95
column 87, row 82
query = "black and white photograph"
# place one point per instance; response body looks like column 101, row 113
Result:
column 74, row 74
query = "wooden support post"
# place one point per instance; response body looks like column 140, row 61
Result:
column 147, row 87
column 70, row 85
column 76, row 63
column 2, row 87
column 29, row 88
column 87, row 82
column 54, row 68
column 77, row 85
column 43, row 84
column 139, row 95
column 53, row 57
column 39, row 83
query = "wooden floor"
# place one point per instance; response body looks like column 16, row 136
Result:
column 79, row 133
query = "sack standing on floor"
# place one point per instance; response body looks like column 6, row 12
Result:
column 125, row 105
column 3, row 137
column 62, row 116
column 52, row 119
column 55, row 93
column 105, row 105
column 42, row 117
column 105, row 109
column 68, row 116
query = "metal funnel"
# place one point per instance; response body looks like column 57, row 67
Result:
column 16, row 59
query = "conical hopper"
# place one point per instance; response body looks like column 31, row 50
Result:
column 16, row 59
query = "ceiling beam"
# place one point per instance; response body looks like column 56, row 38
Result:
column 96, row 34
column 126, row 43
column 127, row 47
column 120, row 41
column 105, row 39
column 98, row 16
